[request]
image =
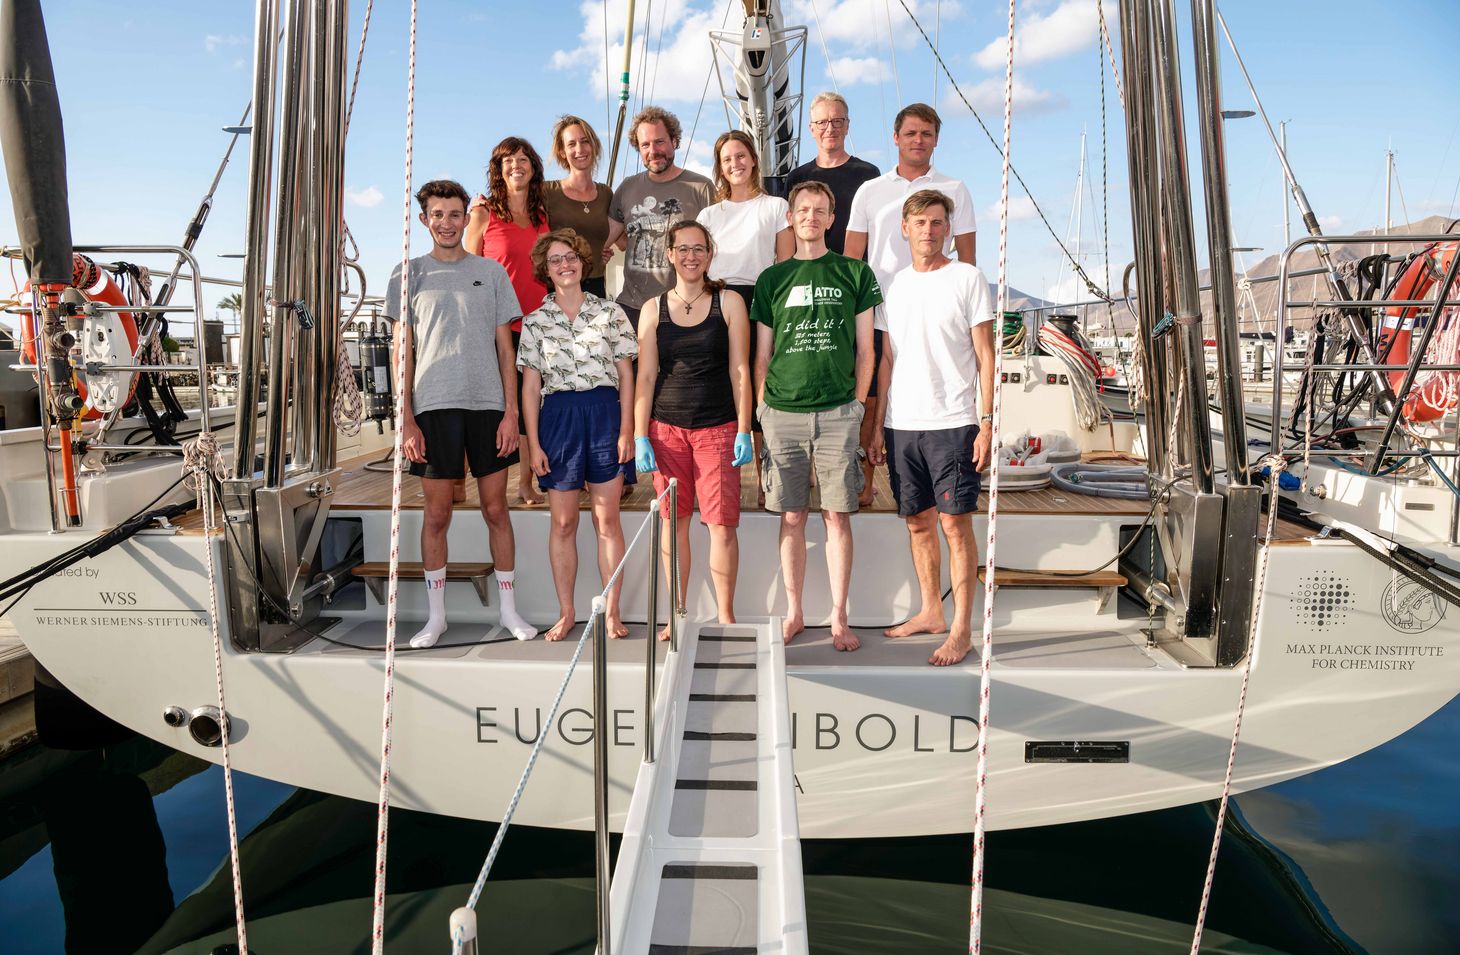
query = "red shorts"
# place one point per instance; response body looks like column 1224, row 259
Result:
column 700, row 458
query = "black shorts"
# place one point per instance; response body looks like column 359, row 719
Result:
column 455, row 434
column 933, row 469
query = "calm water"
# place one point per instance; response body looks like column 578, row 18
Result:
column 126, row 850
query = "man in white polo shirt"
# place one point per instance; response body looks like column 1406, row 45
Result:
column 937, row 372
column 874, row 223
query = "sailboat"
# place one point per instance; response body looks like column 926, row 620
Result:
column 1125, row 630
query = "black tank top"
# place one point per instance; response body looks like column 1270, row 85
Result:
column 693, row 387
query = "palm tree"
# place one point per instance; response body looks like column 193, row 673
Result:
column 232, row 303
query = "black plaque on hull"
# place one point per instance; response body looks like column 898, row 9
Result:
column 1077, row 751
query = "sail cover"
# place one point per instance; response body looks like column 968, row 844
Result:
column 33, row 143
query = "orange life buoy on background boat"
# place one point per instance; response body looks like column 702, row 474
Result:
column 1433, row 393
column 97, row 285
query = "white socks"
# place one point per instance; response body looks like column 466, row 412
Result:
column 436, row 622
column 508, row 617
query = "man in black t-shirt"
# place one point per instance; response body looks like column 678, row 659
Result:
column 844, row 174
column 833, row 165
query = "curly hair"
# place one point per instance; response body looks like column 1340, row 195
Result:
column 565, row 123
column 722, row 185
column 568, row 237
column 442, row 189
column 673, row 233
column 655, row 114
column 497, row 183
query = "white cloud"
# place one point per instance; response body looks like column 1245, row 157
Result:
column 861, row 24
column 1020, row 209
column 673, row 65
column 987, row 96
column 214, row 42
column 698, row 159
column 851, row 70
column 1330, row 222
column 1071, row 26
column 367, row 198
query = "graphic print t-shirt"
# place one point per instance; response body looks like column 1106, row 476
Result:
column 647, row 209
column 811, row 306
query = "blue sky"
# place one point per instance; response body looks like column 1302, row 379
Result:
column 143, row 110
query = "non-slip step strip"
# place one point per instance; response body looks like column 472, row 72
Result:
column 724, row 666
column 679, row 870
column 741, row 784
column 723, row 638
column 657, row 949
column 722, row 697
column 734, row 737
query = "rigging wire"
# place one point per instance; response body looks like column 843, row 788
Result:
column 705, row 90
column 607, row 79
column 892, row 48
column 825, row 54
column 1090, row 285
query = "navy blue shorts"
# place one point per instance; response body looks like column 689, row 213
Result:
column 578, row 431
column 933, row 469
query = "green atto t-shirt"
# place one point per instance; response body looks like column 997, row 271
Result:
column 812, row 306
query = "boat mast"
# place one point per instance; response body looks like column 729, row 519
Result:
column 762, row 57
column 623, row 93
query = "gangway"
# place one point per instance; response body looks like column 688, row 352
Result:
column 711, row 854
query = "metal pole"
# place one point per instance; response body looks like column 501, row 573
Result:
column 1219, row 238
column 656, row 525
column 1287, row 199
column 256, row 244
column 600, row 770
column 674, row 595
column 623, row 95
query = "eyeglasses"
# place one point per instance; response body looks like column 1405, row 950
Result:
column 567, row 258
column 839, row 123
column 691, row 249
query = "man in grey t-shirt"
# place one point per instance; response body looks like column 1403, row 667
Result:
column 649, row 203
column 458, row 404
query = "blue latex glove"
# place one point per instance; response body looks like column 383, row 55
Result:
column 743, row 450
column 644, row 456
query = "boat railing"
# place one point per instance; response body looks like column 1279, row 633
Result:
column 463, row 920
column 1391, row 399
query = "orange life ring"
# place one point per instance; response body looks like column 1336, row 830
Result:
column 1417, row 282
column 97, row 285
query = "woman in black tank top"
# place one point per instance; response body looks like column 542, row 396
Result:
column 692, row 408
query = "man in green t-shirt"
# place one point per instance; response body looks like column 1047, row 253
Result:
column 813, row 367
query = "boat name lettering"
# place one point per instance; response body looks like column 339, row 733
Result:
column 574, row 726
column 876, row 732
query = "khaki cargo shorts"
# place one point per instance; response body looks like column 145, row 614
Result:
column 797, row 441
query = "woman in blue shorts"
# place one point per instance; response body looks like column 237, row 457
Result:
column 576, row 359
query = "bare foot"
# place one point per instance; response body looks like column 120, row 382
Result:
column 563, row 627
column 527, row 497
column 868, row 496
column 792, row 626
column 925, row 622
column 664, row 634
column 843, row 638
column 616, row 628
column 953, row 650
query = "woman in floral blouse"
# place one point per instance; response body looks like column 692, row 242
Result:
column 576, row 359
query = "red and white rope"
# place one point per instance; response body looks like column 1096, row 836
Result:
column 382, row 826
column 980, row 800
column 203, row 460
column 1277, row 463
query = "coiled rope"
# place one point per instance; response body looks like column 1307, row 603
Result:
column 991, row 587
column 382, row 826
column 203, row 462
column 1277, row 463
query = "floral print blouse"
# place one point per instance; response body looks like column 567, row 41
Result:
column 576, row 355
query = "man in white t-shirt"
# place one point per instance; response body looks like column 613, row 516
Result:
column 937, row 372
column 874, row 223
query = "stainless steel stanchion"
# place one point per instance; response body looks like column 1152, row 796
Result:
column 674, row 591
column 600, row 769
column 652, row 641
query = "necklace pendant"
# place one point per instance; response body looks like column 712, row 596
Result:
column 585, row 208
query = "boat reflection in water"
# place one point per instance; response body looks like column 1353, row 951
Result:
column 1325, row 863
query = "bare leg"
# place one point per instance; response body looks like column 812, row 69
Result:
column 684, row 565
column 962, row 559
column 793, row 571
column 435, row 520
column 610, row 529
column 869, row 426
column 563, row 555
column 492, row 492
column 839, row 572
column 922, row 534
column 724, row 565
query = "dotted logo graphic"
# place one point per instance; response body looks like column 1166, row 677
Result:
column 1323, row 600
column 1410, row 608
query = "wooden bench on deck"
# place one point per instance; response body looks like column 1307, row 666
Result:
column 1106, row 581
column 376, row 575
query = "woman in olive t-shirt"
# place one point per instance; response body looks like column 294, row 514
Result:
column 577, row 202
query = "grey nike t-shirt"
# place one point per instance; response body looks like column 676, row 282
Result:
column 455, row 311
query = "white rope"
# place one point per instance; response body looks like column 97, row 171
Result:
column 980, row 800
column 202, row 462
column 476, row 889
column 382, row 826
column 1277, row 463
